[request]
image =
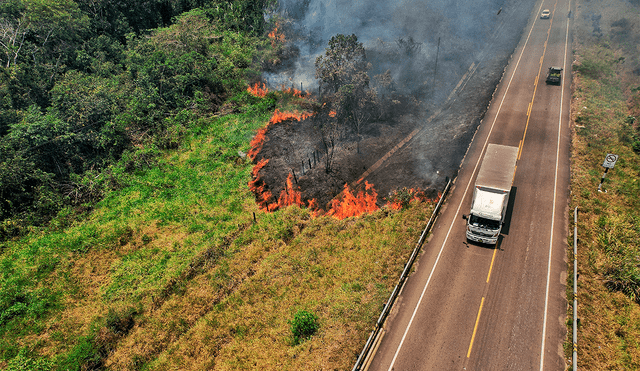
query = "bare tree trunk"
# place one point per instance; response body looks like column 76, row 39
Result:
column 329, row 150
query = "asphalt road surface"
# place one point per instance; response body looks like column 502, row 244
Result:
column 476, row 307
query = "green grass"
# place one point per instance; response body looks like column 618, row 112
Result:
column 171, row 271
column 608, row 232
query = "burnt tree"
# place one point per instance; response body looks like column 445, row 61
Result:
column 326, row 124
column 356, row 104
column 343, row 73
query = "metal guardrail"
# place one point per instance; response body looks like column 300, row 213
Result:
column 405, row 273
column 575, row 289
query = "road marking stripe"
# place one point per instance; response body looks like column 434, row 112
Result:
column 475, row 328
column 535, row 86
column 493, row 258
column 519, row 151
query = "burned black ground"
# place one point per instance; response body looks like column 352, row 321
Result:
column 440, row 121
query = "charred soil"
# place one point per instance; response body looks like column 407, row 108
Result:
column 415, row 140
column 409, row 145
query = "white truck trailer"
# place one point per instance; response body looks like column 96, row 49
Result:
column 491, row 194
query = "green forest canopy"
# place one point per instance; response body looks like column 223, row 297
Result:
column 83, row 82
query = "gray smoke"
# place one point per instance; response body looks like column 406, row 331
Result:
column 400, row 36
column 471, row 41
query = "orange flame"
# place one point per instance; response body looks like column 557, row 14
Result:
column 276, row 36
column 282, row 116
column 313, row 204
column 257, row 142
column 354, row 205
column 293, row 91
column 396, row 202
column 257, row 90
column 332, row 114
column 257, row 186
column 290, row 196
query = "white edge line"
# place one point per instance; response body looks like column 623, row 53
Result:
column 553, row 212
column 415, row 311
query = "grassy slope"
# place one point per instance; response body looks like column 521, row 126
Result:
column 172, row 272
column 608, row 225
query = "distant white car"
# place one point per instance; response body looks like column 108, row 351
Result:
column 545, row 14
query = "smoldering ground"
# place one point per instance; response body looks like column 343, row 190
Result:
column 403, row 36
column 446, row 55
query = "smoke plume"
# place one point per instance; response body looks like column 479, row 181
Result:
column 405, row 37
column 448, row 55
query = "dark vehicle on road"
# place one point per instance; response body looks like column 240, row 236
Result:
column 554, row 76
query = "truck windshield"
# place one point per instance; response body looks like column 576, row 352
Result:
column 477, row 221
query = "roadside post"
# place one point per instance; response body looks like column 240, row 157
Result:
column 575, row 289
column 609, row 163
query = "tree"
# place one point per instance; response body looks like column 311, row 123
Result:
column 343, row 71
column 20, row 182
column 356, row 103
column 362, row 112
column 343, row 63
column 47, row 27
column 330, row 132
column 240, row 15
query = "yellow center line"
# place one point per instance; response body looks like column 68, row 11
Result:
column 475, row 328
column 491, row 266
column 519, row 153
column 535, row 85
column 521, row 145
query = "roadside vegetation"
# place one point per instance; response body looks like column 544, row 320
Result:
column 129, row 238
column 606, row 115
column 171, row 271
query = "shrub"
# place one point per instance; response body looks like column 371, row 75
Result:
column 85, row 355
column 303, row 325
column 623, row 275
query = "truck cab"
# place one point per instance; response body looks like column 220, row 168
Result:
column 488, row 209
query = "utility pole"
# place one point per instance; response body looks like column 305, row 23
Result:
column 435, row 69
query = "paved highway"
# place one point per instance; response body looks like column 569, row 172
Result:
column 474, row 307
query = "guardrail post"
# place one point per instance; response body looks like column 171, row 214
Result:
column 575, row 289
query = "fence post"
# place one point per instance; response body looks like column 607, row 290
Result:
column 575, row 289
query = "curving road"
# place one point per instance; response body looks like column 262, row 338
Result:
column 473, row 307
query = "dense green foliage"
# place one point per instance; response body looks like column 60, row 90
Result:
column 84, row 82
column 303, row 325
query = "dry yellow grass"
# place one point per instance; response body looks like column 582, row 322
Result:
column 609, row 328
column 234, row 314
